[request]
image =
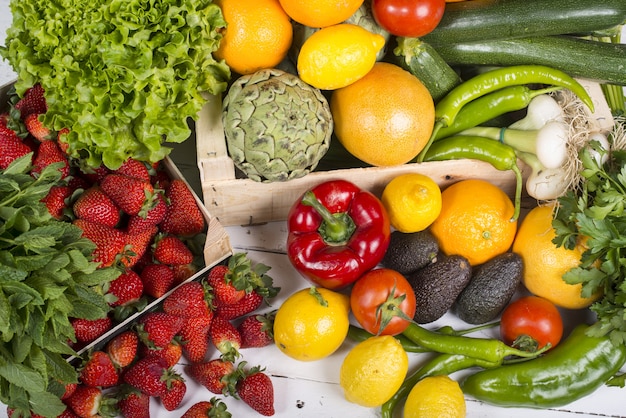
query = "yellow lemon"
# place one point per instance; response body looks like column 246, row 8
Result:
column 320, row 13
column 435, row 397
column 373, row 371
column 312, row 323
column 338, row 55
column 413, row 202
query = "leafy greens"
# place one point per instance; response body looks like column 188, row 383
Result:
column 124, row 76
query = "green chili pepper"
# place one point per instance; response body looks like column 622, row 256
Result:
column 573, row 369
column 499, row 155
column 490, row 106
column 442, row 364
column 449, row 107
column 487, row 349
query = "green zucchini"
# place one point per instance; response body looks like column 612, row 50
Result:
column 479, row 20
column 594, row 60
column 423, row 61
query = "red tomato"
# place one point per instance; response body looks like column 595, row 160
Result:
column 380, row 296
column 531, row 320
column 409, row 18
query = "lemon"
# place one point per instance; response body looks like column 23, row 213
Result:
column 413, row 202
column 312, row 323
column 338, row 55
column 435, row 397
column 373, row 371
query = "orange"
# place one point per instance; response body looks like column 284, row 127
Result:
column 475, row 221
column 258, row 35
column 320, row 13
column 384, row 118
column 545, row 263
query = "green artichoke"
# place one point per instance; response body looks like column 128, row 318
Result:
column 277, row 127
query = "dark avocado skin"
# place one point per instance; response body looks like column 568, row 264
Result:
column 437, row 286
column 492, row 286
column 409, row 252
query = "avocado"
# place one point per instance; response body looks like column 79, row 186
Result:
column 409, row 252
column 437, row 286
column 491, row 288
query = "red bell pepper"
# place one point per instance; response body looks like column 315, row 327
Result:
column 337, row 232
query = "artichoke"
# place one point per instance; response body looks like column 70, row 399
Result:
column 277, row 127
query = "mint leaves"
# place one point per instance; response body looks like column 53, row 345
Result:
column 597, row 211
column 46, row 277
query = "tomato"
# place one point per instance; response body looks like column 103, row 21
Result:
column 409, row 18
column 531, row 322
column 383, row 298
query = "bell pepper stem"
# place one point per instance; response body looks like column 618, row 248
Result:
column 335, row 228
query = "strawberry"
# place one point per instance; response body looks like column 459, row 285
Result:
column 56, row 200
column 214, row 408
column 189, row 300
column 62, row 140
column 217, row 375
column 154, row 216
column 69, row 389
column 195, row 337
column 225, row 292
column 183, row 271
column 67, row 413
column 157, row 329
column 33, row 101
column 132, row 195
column 48, row 153
column 172, row 353
column 183, row 216
column 127, row 288
column 256, row 390
column 86, row 401
column 98, row 370
column 256, row 330
column 11, row 149
column 12, row 413
column 158, row 279
column 95, row 206
column 110, row 242
column 150, row 375
column 36, row 128
column 225, row 337
column 137, row 245
column 171, row 250
column 87, row 330
column 134, row 168
column 249, row 303
column 133, row 403
column 175, row 394
column 94, row 175
column 122, row 349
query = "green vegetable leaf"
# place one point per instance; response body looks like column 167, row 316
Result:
column 20, row 375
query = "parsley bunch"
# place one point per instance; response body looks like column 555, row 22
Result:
column 46, row 277
column 596, row 211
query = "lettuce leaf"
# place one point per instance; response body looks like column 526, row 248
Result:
column 125, row 76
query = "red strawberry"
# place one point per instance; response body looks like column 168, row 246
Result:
column 183, row 216
column 183, row 271
column 134, row 168
column 11, row 149
column 122, row 349
column 225, row 337
column 217, row 375
column 150, row 375
column 56, row 200
column 69, row 389
column 33, row 101
column 127, row 288
column 157, row 329
column 154, row 216
column 171, row 250
column 137, row 245
column 11, row 414
column 95, row 206
column 203, row 409
column 86, row 401
column 133, row 403
column 175, row 394
column 5, row 129
column 158, row 279
column 36, row 128
column 195, row 337
column 249, row 303
column 99, row 370
column 110, row 242
column 94, row 175
column 62, row 140
column 225, row 292
column 189, row 300
column 67, row 413
column 256, row 389
column 87, row 330
column 48, row 153
column 172, row 353
column 134, row 196
column 256, row 330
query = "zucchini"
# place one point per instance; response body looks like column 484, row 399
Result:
column 599, row 61
column 423, row 61
column 479, row 20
